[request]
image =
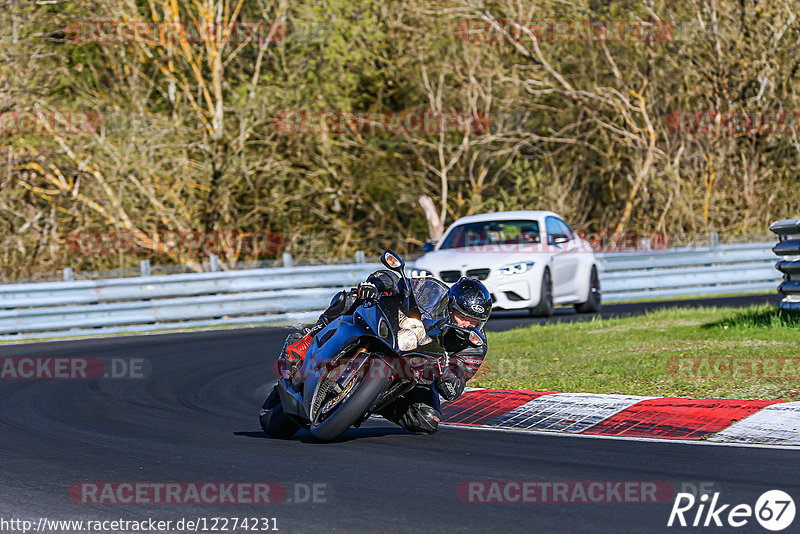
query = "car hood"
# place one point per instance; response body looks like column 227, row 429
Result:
column 442, row 260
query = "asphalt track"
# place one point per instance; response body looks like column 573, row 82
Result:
column 194, row 419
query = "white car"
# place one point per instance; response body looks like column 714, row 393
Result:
column 527, row 259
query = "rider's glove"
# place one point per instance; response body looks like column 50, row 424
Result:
column 367, row 291
column 449, row 384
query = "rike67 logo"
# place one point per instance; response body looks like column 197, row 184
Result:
column 774, row 510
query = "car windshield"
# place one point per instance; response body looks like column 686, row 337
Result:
column 431, row 296
column 492, row 233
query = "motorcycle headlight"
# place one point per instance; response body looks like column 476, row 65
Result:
column 416, row 326
column 516, row 268
column 420, row 273
column 406, row 340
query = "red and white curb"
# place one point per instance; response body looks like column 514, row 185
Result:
column 778, row 424
column 718, row 420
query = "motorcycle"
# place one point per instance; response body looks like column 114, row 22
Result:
column 361, row 363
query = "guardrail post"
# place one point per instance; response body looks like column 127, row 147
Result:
column 360, row 257
column 213, row 261
column 69, row 274
column 288, row 261
column 714, row 236
column 144, row 267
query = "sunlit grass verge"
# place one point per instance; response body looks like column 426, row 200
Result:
column 746, row 353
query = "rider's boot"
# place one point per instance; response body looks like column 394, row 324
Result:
column 414, row 413
column 294, row 350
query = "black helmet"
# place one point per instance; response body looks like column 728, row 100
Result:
column 471, row 300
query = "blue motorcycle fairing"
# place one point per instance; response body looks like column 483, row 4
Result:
column 341, row 336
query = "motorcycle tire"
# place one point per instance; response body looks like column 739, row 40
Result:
column 375, row 379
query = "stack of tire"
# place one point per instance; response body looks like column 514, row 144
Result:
column 788, row 248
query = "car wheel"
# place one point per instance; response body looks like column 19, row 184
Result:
column 545, row 306
column 593, row 304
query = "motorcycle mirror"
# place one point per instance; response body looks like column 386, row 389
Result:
column 475, row 337
column 469, row 334
column 395, row 263
column 392, row 261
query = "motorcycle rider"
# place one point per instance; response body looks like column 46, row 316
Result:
column 469, row 304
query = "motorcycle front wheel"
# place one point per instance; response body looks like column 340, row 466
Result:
column 349, row 406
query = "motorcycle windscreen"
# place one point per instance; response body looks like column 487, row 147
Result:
column 432, row 297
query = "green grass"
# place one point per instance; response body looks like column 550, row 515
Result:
column 748, row 353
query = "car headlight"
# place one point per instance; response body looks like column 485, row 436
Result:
column 516, row 268
column 420, row 273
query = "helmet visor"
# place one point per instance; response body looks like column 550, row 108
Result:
column 465, row 321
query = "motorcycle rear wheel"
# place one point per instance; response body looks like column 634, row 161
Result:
column 373, row 382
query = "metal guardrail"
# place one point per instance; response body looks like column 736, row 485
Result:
column 788, row 248
column 288, row 295
column 681, row 272
column 179, row 301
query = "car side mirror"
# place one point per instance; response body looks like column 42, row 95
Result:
column 428, row 246
column 558, row 239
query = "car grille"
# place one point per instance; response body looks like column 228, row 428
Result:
column 480, row 274
column 450, row 276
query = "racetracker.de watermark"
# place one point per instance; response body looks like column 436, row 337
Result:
column 185, row 243
column 631, row 241
column 50, row 122
column 149, row 525
column 565, row 492
column 415, row 368
column 734, row 122
column 380, row 122
column 733, row 367
column 208, row 492
column 73, row 368
column 173, row 32
column 564, row 31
